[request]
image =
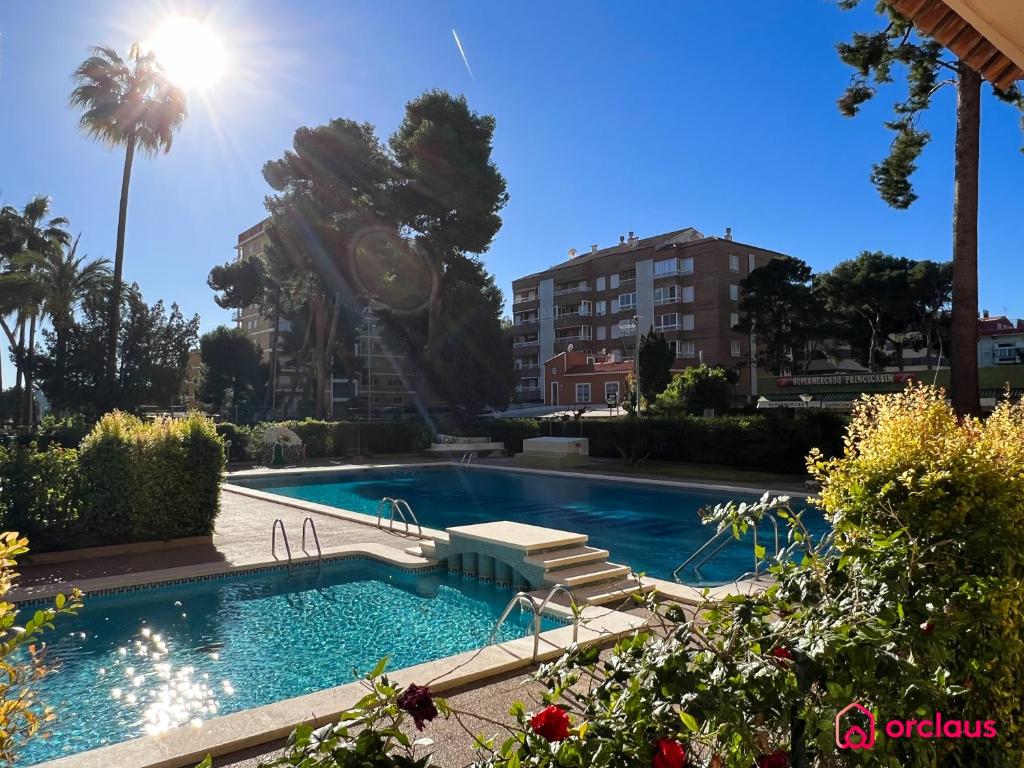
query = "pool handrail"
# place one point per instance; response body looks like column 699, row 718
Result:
column 316, row 539
column 391, row 506
column 721, row 534
column 567, row 590
column 284, row 537
column 518, row 599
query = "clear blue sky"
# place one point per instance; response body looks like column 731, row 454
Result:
column 610, row 117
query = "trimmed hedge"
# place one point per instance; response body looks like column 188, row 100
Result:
column 129, row 481
column 323, row 439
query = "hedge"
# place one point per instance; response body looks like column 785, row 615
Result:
column 129, row 481
column 324, row 439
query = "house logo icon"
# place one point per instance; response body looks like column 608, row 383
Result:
column 855, row 727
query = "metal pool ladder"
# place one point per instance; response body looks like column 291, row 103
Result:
column 538, row 612
column 389, row 507
column 316, row 540
column 467, row 458
column 722, row 538
column 284, row 538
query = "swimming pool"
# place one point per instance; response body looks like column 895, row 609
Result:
column 650, row 527
column 136, row 663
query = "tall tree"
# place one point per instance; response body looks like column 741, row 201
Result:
column 31, row 231
column 655, row 364
column 57, row 284
column 928, row 67
column 127, row 103
column 779, row 305
column 231, row 364
column 695, row 389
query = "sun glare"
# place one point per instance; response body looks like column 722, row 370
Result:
column 189, row 51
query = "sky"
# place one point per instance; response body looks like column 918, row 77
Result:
column 611, row 117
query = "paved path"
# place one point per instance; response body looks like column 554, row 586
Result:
column 242, row 534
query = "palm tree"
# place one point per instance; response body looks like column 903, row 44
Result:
column 56, row 283
column 31, row 230
column 127, row 103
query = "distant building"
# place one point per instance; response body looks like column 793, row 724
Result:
column 1000, row 341
column 380, row 382
column 582, row 379
column 193, row 376
column 682, row 283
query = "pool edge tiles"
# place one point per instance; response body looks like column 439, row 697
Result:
column 188, row 745
column 26, row 597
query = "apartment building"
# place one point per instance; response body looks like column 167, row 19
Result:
column 1000, row 341
column 374, row 380
column 682, row 283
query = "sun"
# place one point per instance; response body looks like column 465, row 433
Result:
column 189, row 51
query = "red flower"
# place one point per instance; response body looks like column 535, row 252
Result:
column 669, row 754
column 417, row 702
column 551, row 723
column 927, row 628
column 777, row 759
column 781, row 652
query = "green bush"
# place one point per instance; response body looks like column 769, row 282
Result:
column 511, row 432
column 315, row 436
column 39, row 493
column 108, row 461
column 240, row 438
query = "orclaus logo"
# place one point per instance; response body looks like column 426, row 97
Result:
column 850, row 734
column 855, row 728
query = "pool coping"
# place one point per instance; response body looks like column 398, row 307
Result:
column 594, row 475
column 188, row 745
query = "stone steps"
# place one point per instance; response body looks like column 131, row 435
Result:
column 587, row 574
column 557, row 559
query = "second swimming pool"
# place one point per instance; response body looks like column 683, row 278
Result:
column 650, row 527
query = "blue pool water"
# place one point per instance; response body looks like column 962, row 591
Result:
column 140, row 662
column 652, row 528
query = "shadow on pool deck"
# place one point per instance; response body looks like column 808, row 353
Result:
column 242, row 535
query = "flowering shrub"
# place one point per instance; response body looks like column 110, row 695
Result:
column 22, row 715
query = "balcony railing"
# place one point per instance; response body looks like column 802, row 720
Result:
column 573, row 289
column 523, row 298
column 525, row 320
column 521, row 389
column 518, row 344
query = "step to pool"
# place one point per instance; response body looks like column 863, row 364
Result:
column 423, row 549
column 566, row 558
column 611, row 592
column 587, row 574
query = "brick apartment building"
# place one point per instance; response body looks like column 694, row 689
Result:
column 682, row 283
column 381, row 381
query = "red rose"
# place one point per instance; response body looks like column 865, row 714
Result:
column 416, row 700
column 777, row 759
column 781, row 652
column 551, row 723
column 669, row 754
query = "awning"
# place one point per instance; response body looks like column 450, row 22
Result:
column 830, row 401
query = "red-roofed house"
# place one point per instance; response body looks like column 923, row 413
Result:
column 1000, row 341
column 583, row 378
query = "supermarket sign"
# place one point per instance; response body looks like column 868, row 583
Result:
column 831, row 380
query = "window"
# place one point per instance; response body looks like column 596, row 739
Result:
column 602, row 307
column 734, row 292
column 601, row 332
column 686, row 265
column 734, row 319
column 666, row 322
column 600, row 283
column 583, row 393
column 736, row 349
column 614, row 280
column 666, row 267
column 616, row 332
column 396, row 400
column 627, row 274
column 586, row 307
column 734, row 263
column 591, row 359
column 627, row 301
column 666, row 294
column 686, row 349
column 587, row 332
column 611, row 388
column 687, row 294
column 687, row 322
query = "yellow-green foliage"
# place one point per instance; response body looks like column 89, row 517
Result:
column 953, row 490
column 150, row 480
column 22, row 715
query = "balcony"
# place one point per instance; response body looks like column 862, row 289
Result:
column 529, row 320
column 581, row 333
column 523, row 298
column 579, row 288
column 521, row 344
